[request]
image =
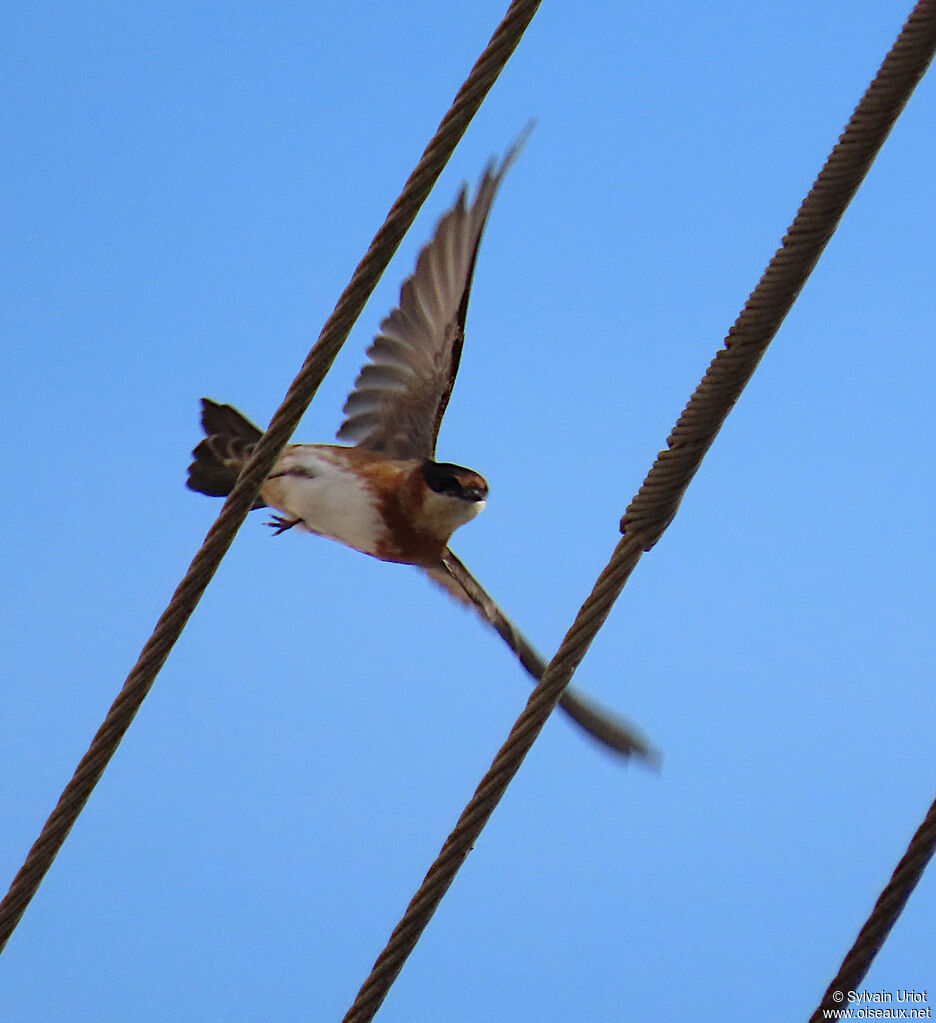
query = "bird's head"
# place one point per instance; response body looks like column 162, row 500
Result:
column 454, row 494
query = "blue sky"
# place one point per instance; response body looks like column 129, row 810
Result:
column 186, row 190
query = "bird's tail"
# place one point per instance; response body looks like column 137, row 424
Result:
column 230, row 439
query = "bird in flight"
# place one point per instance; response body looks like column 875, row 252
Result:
column 384, row 493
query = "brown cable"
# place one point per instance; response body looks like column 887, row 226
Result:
column 475, row 815
column 658, row 499
column 221, row 535
column 886, row 910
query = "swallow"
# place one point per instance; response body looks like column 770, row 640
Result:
column 384, row 494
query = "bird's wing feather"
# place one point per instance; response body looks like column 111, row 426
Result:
column 612, row 731
column 401, row 393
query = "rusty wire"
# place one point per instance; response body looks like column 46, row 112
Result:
column 886, row 910
column 287, row 416
column 656, row 502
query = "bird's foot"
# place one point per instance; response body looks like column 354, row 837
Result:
column 279, row 524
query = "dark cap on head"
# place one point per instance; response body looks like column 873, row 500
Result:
column 454, row 480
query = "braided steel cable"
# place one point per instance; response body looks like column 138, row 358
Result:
column 488, row 794
column 658, row 499
column 818, row 216
column 287, row 416
column 886, row 910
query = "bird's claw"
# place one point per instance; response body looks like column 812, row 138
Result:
column 279, row 524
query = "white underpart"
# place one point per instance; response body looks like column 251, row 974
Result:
column 446, row 513
column 330, row 500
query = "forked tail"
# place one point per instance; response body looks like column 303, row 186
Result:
column 229, row 442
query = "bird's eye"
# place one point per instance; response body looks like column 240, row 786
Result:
column 445, row 485
column 441, row 479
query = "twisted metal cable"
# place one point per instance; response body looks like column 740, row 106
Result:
column 506, row 764
column 287, row 416
column 818, row 216
column 886, row 910
column 656, row 503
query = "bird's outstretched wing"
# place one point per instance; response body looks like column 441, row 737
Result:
column 613, row 732
column 401, row 393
